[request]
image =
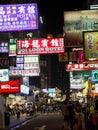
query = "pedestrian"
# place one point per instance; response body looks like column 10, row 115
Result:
column 18, row 112
column 7, row 114
column 65, row 113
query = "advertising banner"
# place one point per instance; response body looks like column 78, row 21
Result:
column 12, row 47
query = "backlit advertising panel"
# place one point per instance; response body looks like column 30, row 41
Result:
column 4, row 75
column 32, row 72
column 90, row 39
column 94, row 75
column 80, row 56
column 18, row 17
column 24, row 89
column 31, row 58
column 20, row 59
column 4, row 47
column 77, row 21
column 12, row 47
column 11, row 86
column 40, row 46
column 17, row 67
column 28, row 66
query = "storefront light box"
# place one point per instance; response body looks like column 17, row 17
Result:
column 95, row 75
column 24, row 89
column 18, row 17
column 11, row 86
column 4, row 75
column 90, row 42
column 4, row 47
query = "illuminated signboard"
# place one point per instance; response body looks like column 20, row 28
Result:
column 70, row 67
column 11, row 86
column 80, row 56
column 31, row 61
column 51, row 90
column 4, row 47
column 31, row 58
column 12, row 47
column 90, row 39
column 40, row 46
column 17, row 67
column 32, row 72
column 24, row 89
column 31, row 65
column 77, row 21
column 18, row 17
column 20, row 59
column 94, row 75
column 4, row 75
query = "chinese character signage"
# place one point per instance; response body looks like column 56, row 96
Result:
column 12, row 47
column 40, row 46
column 31, row 58
column 90, row 39
column 4, row 48
column 80, row 56
column 18, row 17
column 11, row 86
column 32, row 72
column 72, row 56
column 63, row 57
column 77, row 21
column 71, row 67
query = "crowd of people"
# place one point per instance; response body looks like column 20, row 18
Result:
column 76, row 115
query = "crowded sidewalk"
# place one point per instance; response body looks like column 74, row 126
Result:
column 14, row 122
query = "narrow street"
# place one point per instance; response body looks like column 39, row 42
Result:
column 51, row 121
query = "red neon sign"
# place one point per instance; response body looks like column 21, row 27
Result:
column 11, row 86
column 40, row 46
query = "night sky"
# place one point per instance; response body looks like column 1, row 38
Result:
column 52, row 12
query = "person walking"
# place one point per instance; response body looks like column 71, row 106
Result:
column 65, row 113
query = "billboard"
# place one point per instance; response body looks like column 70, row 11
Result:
column 18, row 17
column 40, row 46
column 11, row 86
column 90, row 42
column 77, row 21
